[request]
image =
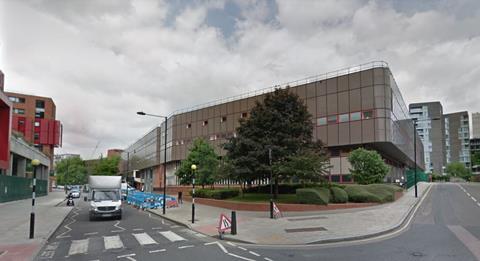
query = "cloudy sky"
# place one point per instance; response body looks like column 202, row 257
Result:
column 102, row 61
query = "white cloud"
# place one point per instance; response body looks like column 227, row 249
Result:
column 102, row 61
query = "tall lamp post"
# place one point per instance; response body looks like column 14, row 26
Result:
column 415, row 150
column 35, row 163
column 164, row 156
column 193, row 167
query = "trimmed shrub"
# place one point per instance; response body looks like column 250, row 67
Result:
column 319, row 196
column 338, row 195
column 358, row 193
column 216, row 194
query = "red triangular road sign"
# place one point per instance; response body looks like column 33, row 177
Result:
column 276, row 211
column 225, row 223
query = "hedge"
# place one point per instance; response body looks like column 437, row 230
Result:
column 319, row 196
column 338, row 195
column 379, row 193
column 289, row 188
column 358, row 193
column 216, row 194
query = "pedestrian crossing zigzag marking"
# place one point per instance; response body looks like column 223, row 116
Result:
column 73, row 220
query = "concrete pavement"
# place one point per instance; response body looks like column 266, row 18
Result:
column 15, row 225
column 301, row 228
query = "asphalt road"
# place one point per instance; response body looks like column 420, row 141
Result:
column 445, row 227
column 138, row 236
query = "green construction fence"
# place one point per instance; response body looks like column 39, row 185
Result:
column 16, row 188
column 421, row 176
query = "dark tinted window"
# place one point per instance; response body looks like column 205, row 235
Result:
column 39, row 104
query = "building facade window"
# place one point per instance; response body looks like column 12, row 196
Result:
column 332, row 119
column 205, row 123
column 213, row 137
column 321, row 121
column 244, row 115
column 18, row 111
column 16, row 99
column 367, row 115
column 343, row 118
column 355, row 116
column 223, row 119
column 39, row 104
column 37, row 124
column 40, row 115
column 189, row 125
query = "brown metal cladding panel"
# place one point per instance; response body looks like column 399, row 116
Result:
column 236, row 106
column 211, row 126
column 344, row 133
column 251, row 103
column 379, row 93
column 321, row 106
column 388, row 97
column 230, row 108
column 223, row 126
column 343, row 83
column 332, row 85
column 301, row 92
column 197, row 115
column 321, row 88
column 368, row 131
column 311, row 106
column 236, row 123
column 216, row 124
column 183, row 131
column 355, row 132
column 378, row 76
column 205, row 113
column 230, row 122
column 311, row 90
column 223, row 109
column 218, row 110
column 367, row 78
column 188, row 117
column 322, row 134
column 367, row 98
column 204, row 130
column 333, row 135
column 243, row 105
column 195, row 129
column 355, row 100
column 314, row 132
column 343, row 102
column 380, row 129
column 332, row 104
column 354, row 81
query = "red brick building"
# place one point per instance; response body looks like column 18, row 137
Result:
column 34, row 117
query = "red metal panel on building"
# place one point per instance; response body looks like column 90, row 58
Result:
column 43, row 131
column 4, row 135
column 28, row 134
column 58, row 133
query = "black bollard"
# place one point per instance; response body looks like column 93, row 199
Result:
column 271, row 208
column 233, row 230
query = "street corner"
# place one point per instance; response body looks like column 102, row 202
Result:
column 18, row 252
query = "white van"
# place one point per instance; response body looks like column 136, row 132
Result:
column 105, row 196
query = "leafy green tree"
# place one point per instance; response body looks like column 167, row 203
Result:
column 281, row 123
column 367, row 166
column 458, row 169
column 107, row 166
column 71, row 171
column 476, row 158
column 203, row 155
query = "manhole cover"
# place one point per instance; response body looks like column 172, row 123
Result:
column 305, row 229
column 418, row 254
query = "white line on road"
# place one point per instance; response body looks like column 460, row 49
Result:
column 253, row 253
column 119, row 227
column 474, row 199
column 75, row 213
column 138, row 229
column 469, row 240
column 478, row 204
column 232, row 244
column 468, row 194
column 78, row 247
column 129, row 255
column 242, row 248
column 172, row 236
column 268, row 259
column 112, row 242
column 183, row 247
column 241, row 257
column 219, row 245
column 144, row 239
column 156, row 251
column 131, row 258
column 156, row 228
column 90, row 234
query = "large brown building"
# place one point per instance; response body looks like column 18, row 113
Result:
column 356, row 107
column 34, row 117
column 457, row 137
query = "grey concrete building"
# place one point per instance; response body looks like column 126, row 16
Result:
column 474, row 149
column 457, row 137
column 476, row 125
column 431, row 129
column 355, row 107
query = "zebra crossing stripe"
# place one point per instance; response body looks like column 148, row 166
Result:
column 113, row 242
column 172, row 236
column 144, row 239
column 78, row 247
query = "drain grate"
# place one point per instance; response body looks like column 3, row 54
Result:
column 307, row 218
column 305, row 229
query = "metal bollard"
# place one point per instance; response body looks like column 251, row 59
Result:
column 271, row 208
column 233, row 230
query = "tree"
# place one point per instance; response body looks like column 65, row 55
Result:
column 280, row 123
column 71, row 171
column 107, row 166
column 203, row 155
column 367, row 166
column 458, row 169
column 475, row 158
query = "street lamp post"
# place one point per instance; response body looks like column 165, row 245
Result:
column 164, row 157
column 35, row 163
column 193, row 167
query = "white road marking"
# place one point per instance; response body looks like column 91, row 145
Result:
column 171, row 236
column 241, row 257
column 131, row 258
column 474, row 199
column 144, row 239
column 90, row 234
column 129, row 255
column 242, row 248
column 468, row 194
column 156, row 251
column 75, row 213
column 253, row 253
column 268, row 259
column 112, row 242
column 469, row 240
column 478, row 204
column 78, row 247
column 219, row 245
column 117, row 226
column 137, row 229
column 183, row 247
column 232, row 244
column 156, row 228
column 174, row 226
